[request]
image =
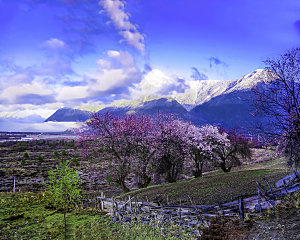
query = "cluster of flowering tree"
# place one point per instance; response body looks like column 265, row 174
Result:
column 124, row 141
column 148, row 147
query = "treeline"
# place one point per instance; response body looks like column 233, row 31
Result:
column 158, row 147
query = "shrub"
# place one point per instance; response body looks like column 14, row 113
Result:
column 64, row 153
column 76, row 162
column 26, row 155
column 40, row 159
column 64, row 188
column 109, row 179
column 57, row 155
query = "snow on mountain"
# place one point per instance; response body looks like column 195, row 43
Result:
column 204, row 90
column 232, row 107
column 148, row 105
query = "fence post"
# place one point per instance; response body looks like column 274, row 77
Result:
column 102, row 202
column 130, row 205
column 14, row 188
column 241, row 209
column 180, row 210
column 113, row 206
column 259, row 206
column 269, row 186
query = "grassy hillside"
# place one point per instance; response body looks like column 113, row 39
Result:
column 216, row 187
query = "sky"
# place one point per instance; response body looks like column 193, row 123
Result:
column 70, row 53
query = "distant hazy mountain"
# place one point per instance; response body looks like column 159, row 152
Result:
column 69, row 115
column 28, row 119
column 149, row 107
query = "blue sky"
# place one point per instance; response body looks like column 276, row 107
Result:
column 57, row 53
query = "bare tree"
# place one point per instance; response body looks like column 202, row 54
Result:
column 279, row 100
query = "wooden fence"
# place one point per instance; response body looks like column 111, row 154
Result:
column 194, row 215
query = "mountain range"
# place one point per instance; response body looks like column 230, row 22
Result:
column 69, row 115
column 222, row 102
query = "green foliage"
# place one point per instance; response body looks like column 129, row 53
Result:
column 95, row 152
column 40, row 159
column 135, row 230
column 64, row 153
column 70, row 144
column 23, row 144
column 26, row 155
column 109, row 179
column 23, row 162
column 57, row 155
column 64, row 186
column 26, row 216
column 76, row 162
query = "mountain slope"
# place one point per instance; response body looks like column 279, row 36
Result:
column 205, row 90
column 150, row 107
column 69, row 115
column 234, row 107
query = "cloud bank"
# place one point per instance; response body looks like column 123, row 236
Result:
column 115, row 10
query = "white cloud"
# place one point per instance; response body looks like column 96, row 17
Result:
column 25, row 110
column 59, row 57
column 115, row 73
column 124, row 58
column 15, row 79
column 55, row 67
column 157, row 82
column 10, row 94
column 72, row 93
column 116, row 12
column 55, row 43
column 44, row 113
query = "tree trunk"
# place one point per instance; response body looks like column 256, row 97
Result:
column 124, row 187
column 223, row 167
column 172, row 174
column 65, row 224
column 143, row 180
column 198, row 172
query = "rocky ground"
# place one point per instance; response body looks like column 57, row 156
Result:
column 29, row 163
column 280, row 223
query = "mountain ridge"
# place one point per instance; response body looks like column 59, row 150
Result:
column 221, row 102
